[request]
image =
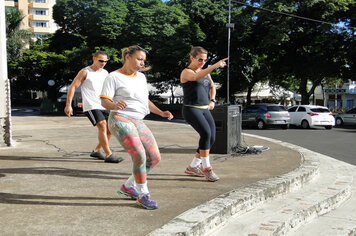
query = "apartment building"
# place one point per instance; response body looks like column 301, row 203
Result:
column 38, row 15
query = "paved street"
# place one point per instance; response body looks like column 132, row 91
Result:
column 338, row 143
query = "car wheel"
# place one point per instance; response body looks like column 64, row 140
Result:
column 339, row 122
column 305, row 124
column 261, row 124
column 329, row 127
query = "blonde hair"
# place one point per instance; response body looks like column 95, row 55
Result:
column 132, row 50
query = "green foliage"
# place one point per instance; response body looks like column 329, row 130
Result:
column 29, row 70
column 167, row 33
column 304, row 50
column 17, row 39
column 265, row 46
column 95, row 22
column 36, row 67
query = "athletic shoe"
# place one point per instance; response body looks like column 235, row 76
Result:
column 128, row 192
column 209, row 174
column 98, row 154
column 146, row 202
column 112, row 158
column 195, row 171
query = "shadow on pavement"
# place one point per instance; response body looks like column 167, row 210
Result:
column 65, row 172
column 10, row 198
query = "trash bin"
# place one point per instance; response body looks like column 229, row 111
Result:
column 228, row 128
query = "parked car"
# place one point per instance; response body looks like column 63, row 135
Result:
column 265, row 115
column 77, row 104
column 348, row 118
column 308, row 116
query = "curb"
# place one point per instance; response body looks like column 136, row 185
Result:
column 207, row 216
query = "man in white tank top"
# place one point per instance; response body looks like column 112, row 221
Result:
column 91, row 80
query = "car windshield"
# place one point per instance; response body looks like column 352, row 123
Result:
column 276, row 108
column 320, row 110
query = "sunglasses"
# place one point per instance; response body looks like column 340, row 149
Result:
column 102, row 60
column 201, row 59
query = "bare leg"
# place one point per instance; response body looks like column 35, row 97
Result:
column 103, row 137
column 203, row 153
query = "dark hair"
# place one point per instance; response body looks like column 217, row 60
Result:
column 132, row 50
column 100, row 53
column 195, row 51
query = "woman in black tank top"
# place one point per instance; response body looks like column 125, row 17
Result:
column 199, row 99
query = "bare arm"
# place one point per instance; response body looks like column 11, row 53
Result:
column 110, row 105
column 189, row 75
column 78, row 80
column 154, row 109
column 212, row 94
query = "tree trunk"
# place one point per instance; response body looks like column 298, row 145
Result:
column 172, row 92
column 304, row 92
column 248, row 97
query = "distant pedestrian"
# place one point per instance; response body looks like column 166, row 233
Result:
column 125, row 93
column 199, row 98
column 91, row 80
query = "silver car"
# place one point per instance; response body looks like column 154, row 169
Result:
column 348, row 118
column 265, row 115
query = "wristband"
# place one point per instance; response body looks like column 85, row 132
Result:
column 213, row 100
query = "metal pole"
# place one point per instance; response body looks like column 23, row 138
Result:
column 228, row 55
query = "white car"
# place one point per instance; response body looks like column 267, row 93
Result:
column 311, row 116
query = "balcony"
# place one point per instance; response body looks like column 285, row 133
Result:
column 44, row 30
column 9, row 3
column 39, row 17
column 38, row 5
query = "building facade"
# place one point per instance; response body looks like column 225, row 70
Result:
column 38, row 15
column 336, row 98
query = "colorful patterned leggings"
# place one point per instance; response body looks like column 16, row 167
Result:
column 138, row 141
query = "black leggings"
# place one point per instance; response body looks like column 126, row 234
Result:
column 203, row 122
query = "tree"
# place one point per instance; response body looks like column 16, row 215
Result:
column 304, row 50
column 17, row 39
column 35, row 68
column 167, row 33
column 247, row 58
column 164, row 30
column 211, row 17
column 96, row 23
column 349, row 20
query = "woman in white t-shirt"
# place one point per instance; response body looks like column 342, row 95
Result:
column 125, row 93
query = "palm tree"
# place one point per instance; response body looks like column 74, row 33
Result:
column 17, row 38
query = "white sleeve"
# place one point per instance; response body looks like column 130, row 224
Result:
column 109, row 88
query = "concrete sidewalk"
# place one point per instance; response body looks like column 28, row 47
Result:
column 50, row 186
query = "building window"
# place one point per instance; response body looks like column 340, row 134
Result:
column 41, row 12
column 350, row 103
column 41, row 24
column 40, row 1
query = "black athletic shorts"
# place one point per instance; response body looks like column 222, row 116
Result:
column 96, row 116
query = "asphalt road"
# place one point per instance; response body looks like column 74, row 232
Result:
column 338, row 143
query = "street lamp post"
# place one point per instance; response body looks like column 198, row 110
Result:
column 229, row 26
